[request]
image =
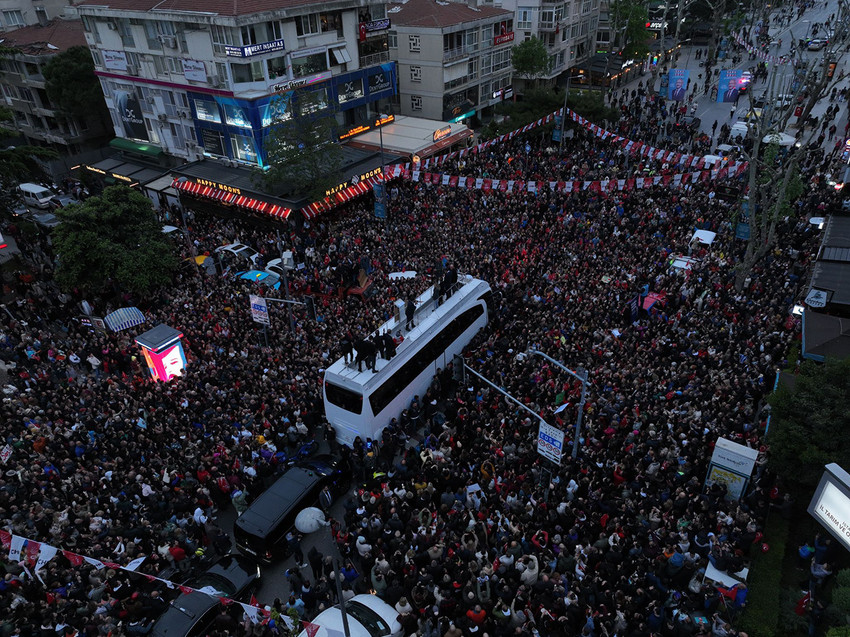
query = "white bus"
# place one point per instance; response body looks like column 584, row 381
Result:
column 363, row 403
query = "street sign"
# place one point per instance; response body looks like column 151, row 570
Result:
column 259, row 310
column 550, row 443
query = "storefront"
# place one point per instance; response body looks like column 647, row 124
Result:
column 412, row 137
column 117, row 170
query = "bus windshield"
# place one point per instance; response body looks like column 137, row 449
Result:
column 344, row 398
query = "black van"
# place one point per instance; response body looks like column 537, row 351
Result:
column 261, row 531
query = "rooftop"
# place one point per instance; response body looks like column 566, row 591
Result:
column 209, row 7
column 57, row 36
column 436, row 14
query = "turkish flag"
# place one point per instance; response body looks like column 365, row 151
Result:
column 311, row 628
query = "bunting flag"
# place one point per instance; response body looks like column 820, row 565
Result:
column 768, row 57
column 311, row 628
column 16, row 548
column 73, row 558
column 132, row 566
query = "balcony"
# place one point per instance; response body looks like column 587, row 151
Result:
column 374, row 58
column 549, row 25
column 459, row 52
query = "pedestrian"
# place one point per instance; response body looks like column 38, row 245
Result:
column 409, row 313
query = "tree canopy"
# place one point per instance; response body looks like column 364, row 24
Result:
column 810, row 426
column 72, row 86
column 630, row 32
column 302, row 153
column 530, row 59
column 115, row 236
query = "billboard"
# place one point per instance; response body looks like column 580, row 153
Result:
column 728, row 88
column 677, row 84
column 130, row 113
column 830, row 505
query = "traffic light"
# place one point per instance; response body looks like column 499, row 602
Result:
column 311, row 307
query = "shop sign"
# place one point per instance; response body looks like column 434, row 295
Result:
column 503, row 38
column 374, row 26
column 362, row 128
column 354, row 180
column 379, row 81
column 114, row 60
column 300, row 82
column 254, row 49
column 440, row 133
column 220, row 186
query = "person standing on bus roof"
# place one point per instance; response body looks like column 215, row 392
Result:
column 409, row 312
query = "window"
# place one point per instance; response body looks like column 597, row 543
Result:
column 574, row 31
column 221, row 71
column 472, row 69
column 310, row 64
column 126, row 32
column 221, row 37
column 249, row 35
column 174, row 65
column 344, row 398
column 313, row 101
column 329, row 22
column 95, row 56
column 414, row 44
column 585, row 7
column 25, row 94
column 547, row 18
column 277, row 67
column 392, row 40
column 159, row 65
column 250, row 72
column 602, row 37
column 523, row 18
column 378, row 11
column 41, row 15
column 152, row 36
column 13, row 19
column 307, row 24
column 243, row 148
column 584, row 27
column 425, row 357
column 487, row 34
column 416, row 102
column 501, row 60
column 275, row 30
column 415, row 73
column 207, row 111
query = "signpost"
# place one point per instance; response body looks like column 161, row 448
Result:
column 259, row 310
column 550, row 443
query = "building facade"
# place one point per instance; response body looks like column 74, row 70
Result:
column 15, row 14
column 34, row 117
column 454, row 59
column 211, row 78
column 568, row 29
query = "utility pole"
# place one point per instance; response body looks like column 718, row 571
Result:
column 285, row 269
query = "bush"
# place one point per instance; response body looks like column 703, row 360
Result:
column 838, row 631
column 841, row 598
column 760, row 616
column 842, row 578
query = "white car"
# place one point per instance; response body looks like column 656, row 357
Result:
column 277, row 266
column 238, row 253
column 368, row 616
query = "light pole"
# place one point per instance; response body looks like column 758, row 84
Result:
column 564, row 112
column 284, row 266
column 581, row 375
column 308, row 521
column 381, row 118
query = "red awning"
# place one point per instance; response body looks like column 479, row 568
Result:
column 218, row 194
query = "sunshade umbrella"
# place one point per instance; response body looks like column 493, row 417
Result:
column 124, row 318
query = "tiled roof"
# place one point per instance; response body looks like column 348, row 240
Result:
column 219, row 7
column 59, row 34
column 433, row 14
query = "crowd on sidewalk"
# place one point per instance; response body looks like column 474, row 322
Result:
column 462, row 533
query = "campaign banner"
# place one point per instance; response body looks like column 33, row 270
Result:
column 259, row 310
column 380, row 204
column 728, row 87
column 677, row 84
column 130, row 113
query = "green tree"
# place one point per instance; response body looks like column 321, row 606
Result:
column 531, row 60
column 113, row 236
column 73, row 87
column 630, row 32
column 302, row 152
column 810, row 426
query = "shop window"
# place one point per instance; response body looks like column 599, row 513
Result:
column 235, row 116
column 277, row 67
column 313, row 101
column 310, row 64
column 243, row 148
column 207, row 111
column 251, row 72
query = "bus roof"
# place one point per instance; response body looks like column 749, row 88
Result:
column 427, row 318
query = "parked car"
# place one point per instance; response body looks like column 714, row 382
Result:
column 817, row 44
column 368, row 616
column 269, row 279
column 232, row 576
column 238, row 255
column 35, row 195
column 60, row 201
column 46, row 219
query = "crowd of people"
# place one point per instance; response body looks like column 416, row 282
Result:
column 466, row 530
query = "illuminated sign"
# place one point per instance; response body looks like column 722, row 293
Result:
column 121, row 177
column 503, row 38
column 375, row 25
column 354, row 180
column 253, row 49
column 831, row 503
column 504, row 93
column 289, row 85
column 362, row 128
column 224, row 187
column 654, row 26
column 440, row 133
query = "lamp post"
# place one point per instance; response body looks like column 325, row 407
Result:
column 381, row 118
column 284, row 266
column 564, row 112
column 581, row 375
column 308, row 521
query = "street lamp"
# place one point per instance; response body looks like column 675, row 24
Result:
column 381, row 119
column 308, row 521
column 581, row 375
column 564, row 112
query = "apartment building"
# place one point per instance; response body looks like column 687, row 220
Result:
column 34, row 117
column 209, row 78
column 15, row 14
column 568, row 29
column 454, row 59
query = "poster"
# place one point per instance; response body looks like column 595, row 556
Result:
column 259, row 310
column 212, row 142
column 194, row 70
column 728, row 90
column 677, row 84
column 380, row 204
column 130, row 113
column 114, row 60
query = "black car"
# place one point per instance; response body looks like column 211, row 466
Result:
column 261, row 530
column 232, row 576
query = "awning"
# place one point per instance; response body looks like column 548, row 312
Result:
column 140, row 148
column 341, row 55
column 263, row 207
column 343, row 196
column 124, row 318
column 825, row 335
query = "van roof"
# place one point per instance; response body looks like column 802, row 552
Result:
column 33, row 187
column 276, row 501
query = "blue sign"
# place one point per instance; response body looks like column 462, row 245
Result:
column 677, row 84
column 634, row 306
column 253, row 49
column 729, row 86
column 380, row 204
column 556, row 132
column 742, row 231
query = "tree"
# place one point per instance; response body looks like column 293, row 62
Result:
column 630, row 32
column 112, row 236
column 302, row 152
column 531, row 60
column 810, row 426
column 73, row 87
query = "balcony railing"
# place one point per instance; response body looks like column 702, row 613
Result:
column 459, row 52
column 374, row 58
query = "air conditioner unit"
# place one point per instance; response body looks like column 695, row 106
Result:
column 132, row 69
column 162, row 117
column 215, row 80
column 183, row 114
column 112, row 26
column 191, row 145
column 169, row 41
